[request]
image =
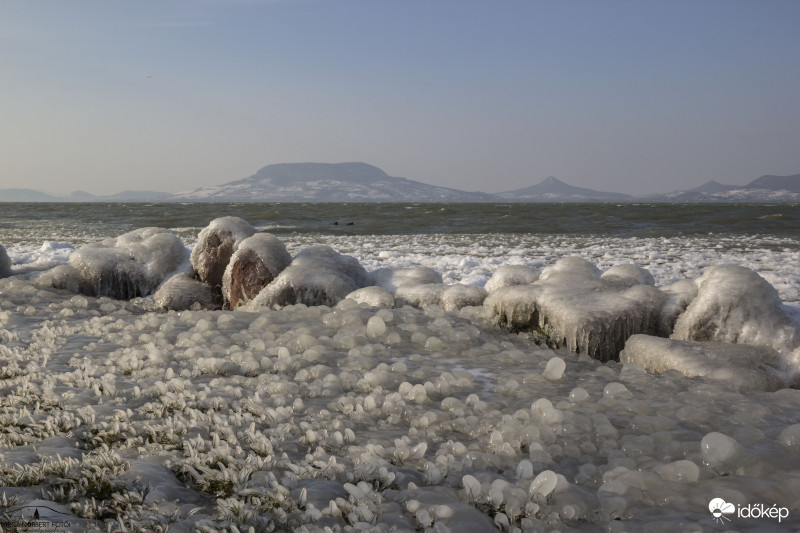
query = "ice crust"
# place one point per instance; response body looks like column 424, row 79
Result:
column 373, row 296
column 131, row 265
column 573, row 306
column 508, row 275
column 736, row 305
column 318, row 275
column 354, row 417
column 183, row 291
column 739, row 366
column 256, row 262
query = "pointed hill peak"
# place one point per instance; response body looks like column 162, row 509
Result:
column 552, row 189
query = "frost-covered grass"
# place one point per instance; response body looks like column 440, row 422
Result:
column 355, row 418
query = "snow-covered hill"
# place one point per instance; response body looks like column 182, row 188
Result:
column 327, row 182
column 767, row 189
column 554, row 190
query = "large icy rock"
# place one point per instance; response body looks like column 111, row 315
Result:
column 257, row 261
column 319, row 275
column 736, row 305
column 215, row 246
column 182, row 291
column 740, row 366
column 508, row 275
column 5, row 263
column 124, row 267
column 572, row 306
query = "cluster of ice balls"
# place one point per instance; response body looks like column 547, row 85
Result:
column 352, row 417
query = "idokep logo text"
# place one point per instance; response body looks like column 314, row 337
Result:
column 724, row 511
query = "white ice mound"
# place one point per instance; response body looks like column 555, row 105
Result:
column 319, row 275
column 629, row 275
column 125, row 267
column 373, row 296
column 508, row 275
column 736, row 305
column 740, row 366
column 572, row 306
column 215, row 246
column 182, row 291
column 450, row 297
column 419, row 295
column 257, row 261
column 391, row 278
column 461, row 295
column 5, row 263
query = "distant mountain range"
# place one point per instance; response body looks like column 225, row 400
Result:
column 30, row 195
column 764, row 189
column 327, row 182
column 360, row 182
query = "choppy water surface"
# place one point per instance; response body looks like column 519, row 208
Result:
column 70, row 221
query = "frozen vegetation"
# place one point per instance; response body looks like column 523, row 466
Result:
column 375, row 390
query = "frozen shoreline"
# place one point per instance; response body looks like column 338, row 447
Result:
column 206, row 407
column 229, row 393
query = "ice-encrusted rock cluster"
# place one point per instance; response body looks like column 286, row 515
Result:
column 570, row 304
column 573, row 305
column 230, row 264
column 129, row 266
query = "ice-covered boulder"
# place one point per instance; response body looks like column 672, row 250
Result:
column 318, row 275
column 257, row 261
column 508, row 275
column 736, row 305
column 419, row 295
column 124, row 267
column 215, row 246
column 572, row 306
column 373, row 296
column 629, row 275
column 5, row 263
column 391, row 278
column 182, row 291
column 68, row 278
column 460, row 295
column 740, row 366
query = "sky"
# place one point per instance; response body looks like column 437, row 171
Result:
column 631, row 96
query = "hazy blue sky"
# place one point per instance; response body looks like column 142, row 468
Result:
column 633, row 96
